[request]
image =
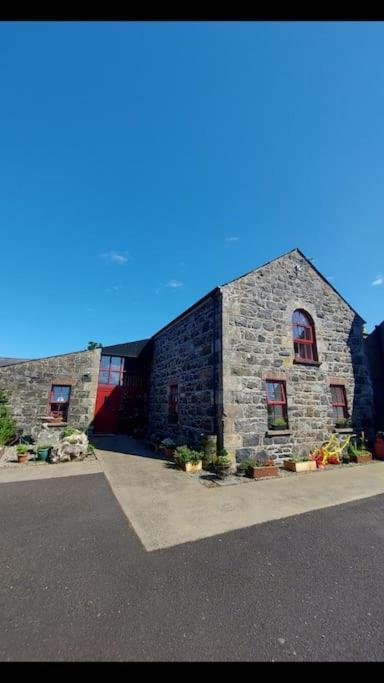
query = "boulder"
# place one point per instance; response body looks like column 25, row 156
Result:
column 73, row 447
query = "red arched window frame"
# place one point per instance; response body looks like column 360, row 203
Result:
column 304, row 339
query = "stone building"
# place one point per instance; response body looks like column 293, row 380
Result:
column 374, row 345
column 270, row 362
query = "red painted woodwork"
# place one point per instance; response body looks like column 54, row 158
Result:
column 304, row 341
column 107, row 409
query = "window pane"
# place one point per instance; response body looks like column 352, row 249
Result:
column 114, row 378
column 275, row 392
column 103, row 378
column 60, row 394
column 105, row 362
column 115, row 363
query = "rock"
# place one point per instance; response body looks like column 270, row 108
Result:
column 73, row 447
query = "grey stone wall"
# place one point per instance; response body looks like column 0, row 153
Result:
column 188, row 353
column 374, row 347
column 28, row 385
column 257, row 344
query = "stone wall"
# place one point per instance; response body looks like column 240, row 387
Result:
column 188, row 353
column 374, row 346
column 257, row 345
column 28, row 385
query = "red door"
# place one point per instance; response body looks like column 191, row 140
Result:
column 107, row 409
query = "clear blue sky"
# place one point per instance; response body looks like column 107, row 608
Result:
column 143, row 164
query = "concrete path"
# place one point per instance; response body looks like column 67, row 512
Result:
column 167, row 507
column 33, row 471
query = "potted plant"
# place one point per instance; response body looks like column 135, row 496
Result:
column 188, row 459
column 359, row 454
column 343, row 423
column 43, row 452
column 241, row 468
column 258, row 469
column 223, row 465
column 379, row 446
column 22, row 452
column 345, row 458
column 300, row 464
column 278, row 424
column 168, row 446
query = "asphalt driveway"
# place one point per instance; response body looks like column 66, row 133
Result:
column 76, row 584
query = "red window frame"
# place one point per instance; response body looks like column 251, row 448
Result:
column 272, row 404
column 110, row 369
column 173, row 403
column 59, row 409
column 304, row 348
column 337, row 404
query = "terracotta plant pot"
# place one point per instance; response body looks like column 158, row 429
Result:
column 379, row 448
column 360, row 459
column 22, row 457
column 306, row 466
column 261, row 472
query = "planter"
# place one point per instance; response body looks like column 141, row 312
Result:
column 191, row 466
column 261, row 472
column 223, row 472
column 307, row 466
column 169, row 452
column 42, row 453
column 360, row 459
column 22, row 457
column 379, row 448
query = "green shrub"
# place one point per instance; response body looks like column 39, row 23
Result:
column 22, row 448
column 68, row 431
column 223, row 461
column 8, row 427
column 184, row 454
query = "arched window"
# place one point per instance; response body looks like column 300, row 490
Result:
column 304, row 340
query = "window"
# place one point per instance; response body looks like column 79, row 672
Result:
column 173, row 404
column 277, row 404
column 304, row 342
column 59, row 401
column 339, row 402
column 111, row 370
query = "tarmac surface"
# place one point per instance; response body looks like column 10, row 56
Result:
column 76, row 583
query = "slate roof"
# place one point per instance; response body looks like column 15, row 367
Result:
column 128, row 350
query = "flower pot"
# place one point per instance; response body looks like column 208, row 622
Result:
column 42, row 453
column 261, row 472
column 223, row 472
column 307, row 466
column 361, row 458
column 169, row 452
column 22, row 457
column 379, row 448
column 191, row 466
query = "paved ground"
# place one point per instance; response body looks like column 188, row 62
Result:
column 166, row 506
column 76, row 583
column 42, row 470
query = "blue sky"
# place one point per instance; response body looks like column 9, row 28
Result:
column 142, row 164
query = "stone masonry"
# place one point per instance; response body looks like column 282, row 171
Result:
column 28, row 386
column 187, row 352
column 257, row 345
